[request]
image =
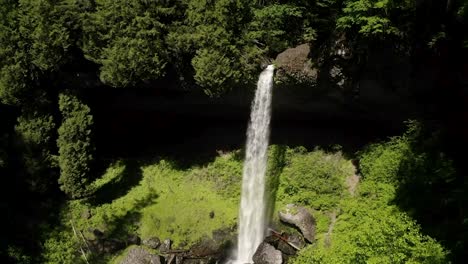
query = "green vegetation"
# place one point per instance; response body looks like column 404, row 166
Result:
column 376, row 19
column 127, row 39
column 370, row 228
column 188, row 204
column 75, row 146
column 166, row 202
column 35, row 132
column 61, row 59
column 313, row 179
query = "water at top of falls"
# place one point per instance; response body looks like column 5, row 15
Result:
column 253, row 205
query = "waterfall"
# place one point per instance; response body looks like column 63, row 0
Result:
column 252, row 210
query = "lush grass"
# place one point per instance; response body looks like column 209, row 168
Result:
column 183, row 207
column 181, row 204
column 160, row 199
column 186, row 204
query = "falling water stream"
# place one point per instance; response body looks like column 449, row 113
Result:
column 252, row 210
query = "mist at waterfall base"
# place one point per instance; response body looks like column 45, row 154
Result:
column 252, row 220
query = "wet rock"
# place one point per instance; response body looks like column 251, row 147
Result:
column 166, row 245
column 293, row 65
column 337, row 76
column 267, row 254
column 286, row 248
column 297, row 240
column 139, row 255
column 287, row 244
column 301, row 218
column 272, row 240
column 152, row 242
column 134, row 240
column 193, row 261
column 205, row 247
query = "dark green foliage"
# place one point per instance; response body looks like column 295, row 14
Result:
column 75, row 146
column 213, row 36
column 126, row 38
column 411, row 158
column 13, row 71
column 18, row 255
column 42, row 27
column 34, row 40
column 35, row 133
column 214, row 70
column 276, row 26
column 374, row 18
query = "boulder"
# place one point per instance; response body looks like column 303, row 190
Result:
column 200, row 261
column 139, row 255
column 286, row 248
column 166, row 245
column 152, row 242
column 133, row 240
column 106, row 245
column 294, row 65
column 267, row 254
column 205, row 247
column 297, row 240
column 194, row 261
column 288, row 244
column 301, row 218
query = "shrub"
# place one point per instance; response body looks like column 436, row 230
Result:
column 36, row 132
column 75, row 148
column 315, row 178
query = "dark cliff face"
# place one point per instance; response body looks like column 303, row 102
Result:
column 322, row 100
column 136, row 122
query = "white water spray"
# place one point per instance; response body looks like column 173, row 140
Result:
column 253, row 205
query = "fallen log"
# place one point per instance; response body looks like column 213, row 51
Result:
column 283, row 238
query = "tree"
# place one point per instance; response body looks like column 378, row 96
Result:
column 45, row 32
column 13, row 70
column 75, row 145
column 277, row 26
column 34, row 40
column 375, row 19
column 127, row 39
column 35, row 131
column 213, row 38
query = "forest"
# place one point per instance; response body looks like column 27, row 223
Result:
column 123, row 122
